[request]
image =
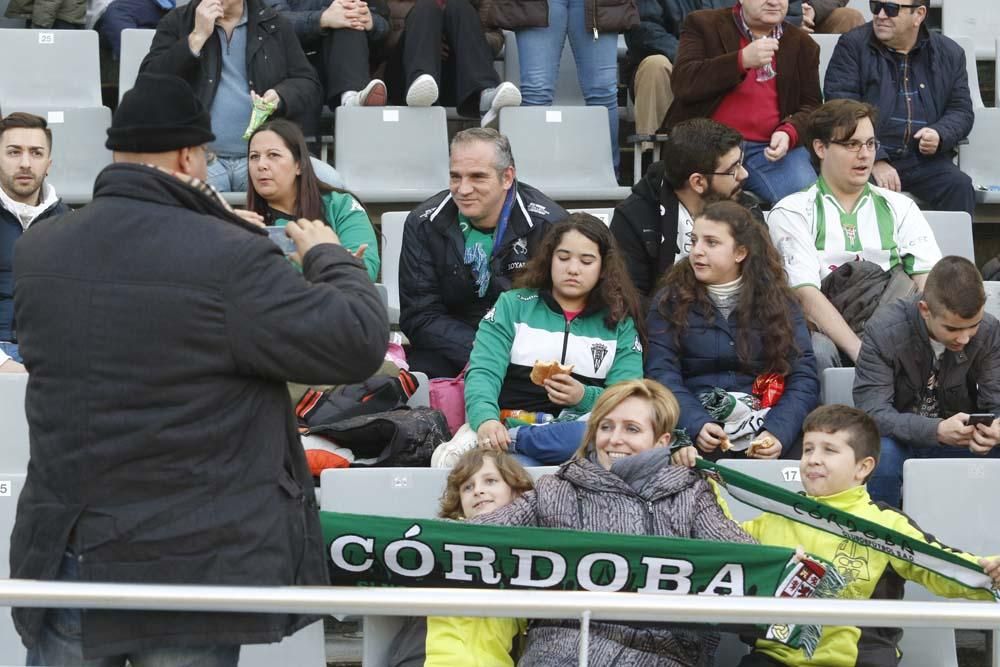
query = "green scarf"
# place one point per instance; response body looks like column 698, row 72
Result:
column 383, row 551
column 801, row 508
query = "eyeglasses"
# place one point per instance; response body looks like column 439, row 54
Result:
column 891, row 8
column 855, row 146
column 733, row 171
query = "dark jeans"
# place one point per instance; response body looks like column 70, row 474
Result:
column 61, row 642
column 122, row 14
column 463, row 75
column 938, row 182
column 886, row 483
column 755, row 659
column 343, row 63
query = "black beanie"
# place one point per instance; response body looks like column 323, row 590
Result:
column 159, row 114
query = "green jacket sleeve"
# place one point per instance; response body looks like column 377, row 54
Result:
column 488, row 362
column 627, row 366
column 348, row 218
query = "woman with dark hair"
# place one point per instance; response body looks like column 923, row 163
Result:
column 727, row 337
column 283, row 187
column 575, row 306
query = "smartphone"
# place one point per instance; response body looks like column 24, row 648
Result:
column 984, row 418
column 277, row 234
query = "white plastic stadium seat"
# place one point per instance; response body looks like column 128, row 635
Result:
column 402, row 492
column 52, row 69
column 78, row 152
column 957, row 519
column 563, row 151
column 977, row 18
column 13, row 469
column 306, row 648
column 135, row 46
column 953, row 232
column 392, row 244
column 837, row 386
column 827, row 43
column 602, row 214
column 978, row 158
column 971, row 70
column 392, row 154
column 992, row 297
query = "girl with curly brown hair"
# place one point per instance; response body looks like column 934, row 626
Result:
column 575, row 305
column 726, row 323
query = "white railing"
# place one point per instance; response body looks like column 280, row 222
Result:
column 507, row 603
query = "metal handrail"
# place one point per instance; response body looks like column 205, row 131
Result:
column 501, row 603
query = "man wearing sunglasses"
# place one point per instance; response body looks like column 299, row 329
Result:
column 917, row 79
column 843, row 218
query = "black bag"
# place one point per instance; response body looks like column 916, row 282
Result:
column 398, row 438
column 379, row 393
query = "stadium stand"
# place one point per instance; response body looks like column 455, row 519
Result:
column 402, row 492
column 392, row 243
column 55, row 69
column 561, row 151
column 392, row 154
column 953, row 232
column 135, row 46
column 976, row 18
column 837, row 386
column 977, row 158
column 954, row 518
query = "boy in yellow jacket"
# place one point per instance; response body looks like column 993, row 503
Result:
column 839, row 452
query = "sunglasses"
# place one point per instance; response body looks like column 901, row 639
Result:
column 891, row 8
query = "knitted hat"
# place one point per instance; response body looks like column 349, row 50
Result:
column 160, row 114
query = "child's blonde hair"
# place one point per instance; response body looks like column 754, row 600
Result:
column 510, row 470
column 663, row 407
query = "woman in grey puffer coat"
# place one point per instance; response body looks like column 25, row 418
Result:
column 621, row 481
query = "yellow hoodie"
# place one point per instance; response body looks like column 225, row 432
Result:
column 869, row 574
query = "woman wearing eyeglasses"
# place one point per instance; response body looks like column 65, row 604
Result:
column 917, row 79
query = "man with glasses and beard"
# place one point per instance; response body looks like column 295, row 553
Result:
column 653, row 226
column 843, row 218
column 918, row 80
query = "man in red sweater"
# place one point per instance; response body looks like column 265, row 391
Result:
column 747, row 68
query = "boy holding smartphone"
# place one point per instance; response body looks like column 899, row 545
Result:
column 929, row 374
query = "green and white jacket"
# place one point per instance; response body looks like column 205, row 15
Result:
column 527, row 325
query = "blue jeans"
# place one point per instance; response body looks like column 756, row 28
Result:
column 886, row 483
column 547, row 444
column 61, row 642
column 771, row 181
column 540, row 51
column 228, row 174
column 12, row 351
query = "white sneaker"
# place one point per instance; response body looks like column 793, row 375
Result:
column 492, row 100
column 447, row 454
column 372, row 95
column 423, row 92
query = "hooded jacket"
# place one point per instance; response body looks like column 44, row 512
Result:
column 159, row 330
column 11, row 229
column 896, row 359
column 659, row 499
column 439, row 308
column 274, row 60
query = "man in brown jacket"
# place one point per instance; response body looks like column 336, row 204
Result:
column 746, row 67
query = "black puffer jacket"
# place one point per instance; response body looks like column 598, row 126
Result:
column 274, row 60
column 439, row 308
column 159, row 330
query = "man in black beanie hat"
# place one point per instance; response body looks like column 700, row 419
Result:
column 159, row 330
